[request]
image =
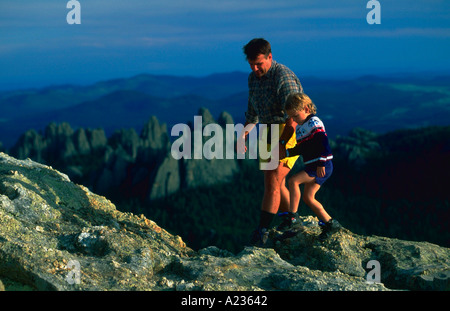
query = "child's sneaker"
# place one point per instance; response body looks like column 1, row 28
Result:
column 289, row 220
column 288, row 234
column 328, row 228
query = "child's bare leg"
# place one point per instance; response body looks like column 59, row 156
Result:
column 309, row 196
column 294, row 189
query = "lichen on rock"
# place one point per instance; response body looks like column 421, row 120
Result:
column 57, row 235
column 48, row 221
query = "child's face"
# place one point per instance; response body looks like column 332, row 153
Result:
column 298, row 116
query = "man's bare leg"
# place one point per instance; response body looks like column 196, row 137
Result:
column 274, row 182
column 285, row 198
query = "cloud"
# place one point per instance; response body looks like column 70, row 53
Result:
column 156, row 32
column 366, row 33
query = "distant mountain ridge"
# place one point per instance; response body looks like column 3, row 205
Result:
column 80, row 106
column 376, row 103
column 126, row 163
column 62, row 96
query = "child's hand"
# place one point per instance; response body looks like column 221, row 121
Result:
column 321, row 171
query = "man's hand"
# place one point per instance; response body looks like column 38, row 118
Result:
column 240, row 144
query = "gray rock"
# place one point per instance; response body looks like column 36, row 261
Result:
column 357, row 146
column 48, row 223
column 167, row 179
column 403, row 264
column 97, row 139
column 81, row 142
column 412, row 265
column 105, row 165
column 154, row 139
column 56, row 235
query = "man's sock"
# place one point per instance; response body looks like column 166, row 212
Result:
column 265, row 219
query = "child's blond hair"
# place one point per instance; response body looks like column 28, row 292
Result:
column 300, row 101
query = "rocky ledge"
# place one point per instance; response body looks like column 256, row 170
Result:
column 56, row 235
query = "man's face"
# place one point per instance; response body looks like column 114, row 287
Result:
column 261, row 64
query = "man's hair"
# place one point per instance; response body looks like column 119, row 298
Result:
column 298, row 102
column 256, row 47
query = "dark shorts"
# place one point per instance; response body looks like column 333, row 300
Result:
column 312, row 172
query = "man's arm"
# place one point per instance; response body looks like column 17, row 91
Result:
column 288, row 84
column 288, row 131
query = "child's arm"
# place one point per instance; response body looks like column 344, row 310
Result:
column 293, row 151
column 314, row 146
column 325, row 151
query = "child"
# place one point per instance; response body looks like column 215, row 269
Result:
column 312, row 144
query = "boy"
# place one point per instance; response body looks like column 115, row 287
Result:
column 312, row 144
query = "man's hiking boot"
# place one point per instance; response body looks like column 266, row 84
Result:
column 259, row 237
column 328, row 228
column 289, row 221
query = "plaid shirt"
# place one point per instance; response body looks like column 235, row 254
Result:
column 267, row 95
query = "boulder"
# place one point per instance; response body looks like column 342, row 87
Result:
column 57, row 235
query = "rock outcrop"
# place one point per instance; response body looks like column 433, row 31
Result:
column 57, row 235
column 49, row 224
column 126, row 163
column 355, row 147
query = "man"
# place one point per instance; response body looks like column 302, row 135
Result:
column 270, row 83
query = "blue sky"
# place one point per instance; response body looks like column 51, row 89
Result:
column 200, row 37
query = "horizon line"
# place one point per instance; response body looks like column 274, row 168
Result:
column 423, row 74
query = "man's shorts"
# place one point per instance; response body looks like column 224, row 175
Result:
column 292, row 142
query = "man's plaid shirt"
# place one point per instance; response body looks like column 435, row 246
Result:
column 268, row 94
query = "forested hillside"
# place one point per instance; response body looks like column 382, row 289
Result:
column 113, row 137
column 379, row 104
column 391, row 185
